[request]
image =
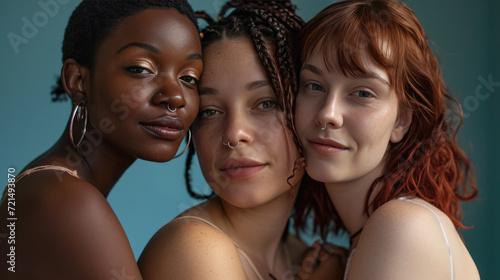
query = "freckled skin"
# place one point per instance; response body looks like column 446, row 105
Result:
column 253, row 202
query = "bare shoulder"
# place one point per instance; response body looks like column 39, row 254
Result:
column 401, row 240
column 186, row 249
column 67, row 199
column 76, row 231
column 406, row 220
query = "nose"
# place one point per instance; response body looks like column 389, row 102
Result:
column 330, row 114
column 238, row 130
column 169, row 94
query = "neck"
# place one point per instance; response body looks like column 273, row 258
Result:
column 349, row 199
column 258, row 231
column 96, row 162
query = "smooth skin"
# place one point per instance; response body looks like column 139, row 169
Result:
column 400, row 240
column 253, row 199
column 66, row 229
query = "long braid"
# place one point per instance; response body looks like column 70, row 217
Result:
column 266, row 59
column 283, row 22
column 287, row 60
column 283, row 57
column 187, row 174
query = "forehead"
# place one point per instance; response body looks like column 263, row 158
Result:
column 155, row 26
column 235, row 59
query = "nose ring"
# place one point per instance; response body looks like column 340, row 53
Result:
column 229, row 143
column 170, row 109
column 324, row 127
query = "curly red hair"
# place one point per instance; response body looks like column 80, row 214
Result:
column 427, row 163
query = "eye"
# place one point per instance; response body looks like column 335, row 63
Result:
column 190, row 80
column 136, row 69
column 208, row 113
column 314, row 87
column 267, row 105
column 363, row 94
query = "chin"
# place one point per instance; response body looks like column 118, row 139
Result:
column 246, row 200
column 158, row 156
column 317, row 174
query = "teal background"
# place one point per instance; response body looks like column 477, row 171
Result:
column 464, row 34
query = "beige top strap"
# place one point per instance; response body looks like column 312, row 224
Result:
column 442, row 229
column 247, row 258
column 46, row 167
column 40, row 168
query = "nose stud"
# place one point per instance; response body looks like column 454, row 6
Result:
column 229, row 143
column 170, row 109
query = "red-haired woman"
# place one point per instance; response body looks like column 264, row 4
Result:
column 372, row 114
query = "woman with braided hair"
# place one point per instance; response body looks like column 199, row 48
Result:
column 373, row 116
column 247, row 153
column 131, row 70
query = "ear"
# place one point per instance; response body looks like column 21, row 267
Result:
column 74, row 78
column 402, row 125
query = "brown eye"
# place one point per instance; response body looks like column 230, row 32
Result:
column 207, row 113
column 190, row 80
column 136, row 69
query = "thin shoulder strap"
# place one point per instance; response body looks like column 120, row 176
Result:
column 204, row 221
column 36, row 169
column 442, row 229
column 46, row 167
column 247, row 258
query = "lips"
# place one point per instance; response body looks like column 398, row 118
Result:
column 165, row 127
column 242, row 168
column 326, row 146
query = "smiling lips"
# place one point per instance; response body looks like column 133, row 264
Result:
column 164, row 127
column 240, row 169
column 326, row 146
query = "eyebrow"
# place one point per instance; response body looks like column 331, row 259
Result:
column 140, row 45
column 206, row 91
column 372, row 75
column 194, row 56
column 249, row 87
column 312, row 68
column 257, row 84
column 369, row 75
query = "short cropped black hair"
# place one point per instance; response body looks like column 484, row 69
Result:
column 93, row 20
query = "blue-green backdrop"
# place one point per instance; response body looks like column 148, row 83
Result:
column 465, row 36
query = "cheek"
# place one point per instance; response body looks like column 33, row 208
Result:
column 206, row 152
column 205, row 145
column 117, row 101
column 373, row 129
column 301, row 117
column 304, row 114
column 270, row 130
column 192, row 106
column 284, row 147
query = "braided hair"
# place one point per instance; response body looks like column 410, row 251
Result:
column 265, row 23
column 92, row 21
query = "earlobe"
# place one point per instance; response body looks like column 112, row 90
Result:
column 402, row 126
column 73, row 78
